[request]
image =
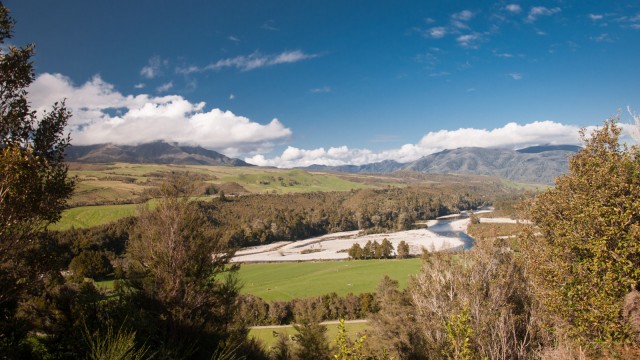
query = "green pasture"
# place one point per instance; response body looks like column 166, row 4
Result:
column 121, row 182
column 286, row 281
column 87, row 216
column 111, row 189
column 269, row 339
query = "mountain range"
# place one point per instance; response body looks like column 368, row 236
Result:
column 159, row 152
column 536, row 165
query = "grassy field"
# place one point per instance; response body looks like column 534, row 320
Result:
column 121, row 181
column 105, row 192
column 87, row 216
column 286, row 281
column 267, row 338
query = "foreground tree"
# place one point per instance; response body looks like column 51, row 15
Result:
column 589, row 255
column 33, row 181
column 180, row 279
column 311, row 339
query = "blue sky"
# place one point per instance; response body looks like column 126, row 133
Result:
column 290, row 83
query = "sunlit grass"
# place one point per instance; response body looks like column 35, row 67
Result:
column 286, row 281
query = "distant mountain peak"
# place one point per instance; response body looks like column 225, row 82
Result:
column 156, row 152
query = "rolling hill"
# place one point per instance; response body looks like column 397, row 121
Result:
column 158, row 152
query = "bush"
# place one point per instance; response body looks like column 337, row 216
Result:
column 589, row 255
column 90, row 264
column 478, row 303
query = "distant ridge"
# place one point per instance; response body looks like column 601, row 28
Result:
column 534, row 165
column 158, row 152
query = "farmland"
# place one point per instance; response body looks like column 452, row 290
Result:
column 287, row 281
column 108, row 192
column 121, row 182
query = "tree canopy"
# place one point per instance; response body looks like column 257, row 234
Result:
column 589, row 255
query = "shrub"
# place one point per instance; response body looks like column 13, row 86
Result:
column 90, row 264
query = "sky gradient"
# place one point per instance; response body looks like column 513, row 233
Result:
column 295, row 83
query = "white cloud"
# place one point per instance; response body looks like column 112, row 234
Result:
column 458, row 20
column 604, row 37
column 459, row 24
column 439, row 74
column 319, row 90
column 268, row 25
column 435, row 32
column 538, row 11
column 511, row 135
column 231, row 96
column 139, row 86
column 469, row 40
column 515, row 76
column 633, row 21
column 165, row 87
column 595, row 17
column 153, row 68
column 464, row 15
column 513, row 8
column 251, row 62
column 101, row 114
column 233, row 38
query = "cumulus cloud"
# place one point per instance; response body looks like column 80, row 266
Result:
column 251, row 62
column 101, row 115
column 512, row 135
column 538, row 11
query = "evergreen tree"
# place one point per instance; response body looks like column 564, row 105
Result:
column 183, row 287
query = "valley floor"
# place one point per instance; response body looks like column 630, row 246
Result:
column 447, row 233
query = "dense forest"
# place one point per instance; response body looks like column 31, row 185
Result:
column 566, row 287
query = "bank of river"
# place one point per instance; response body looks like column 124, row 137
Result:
column 447, row 233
